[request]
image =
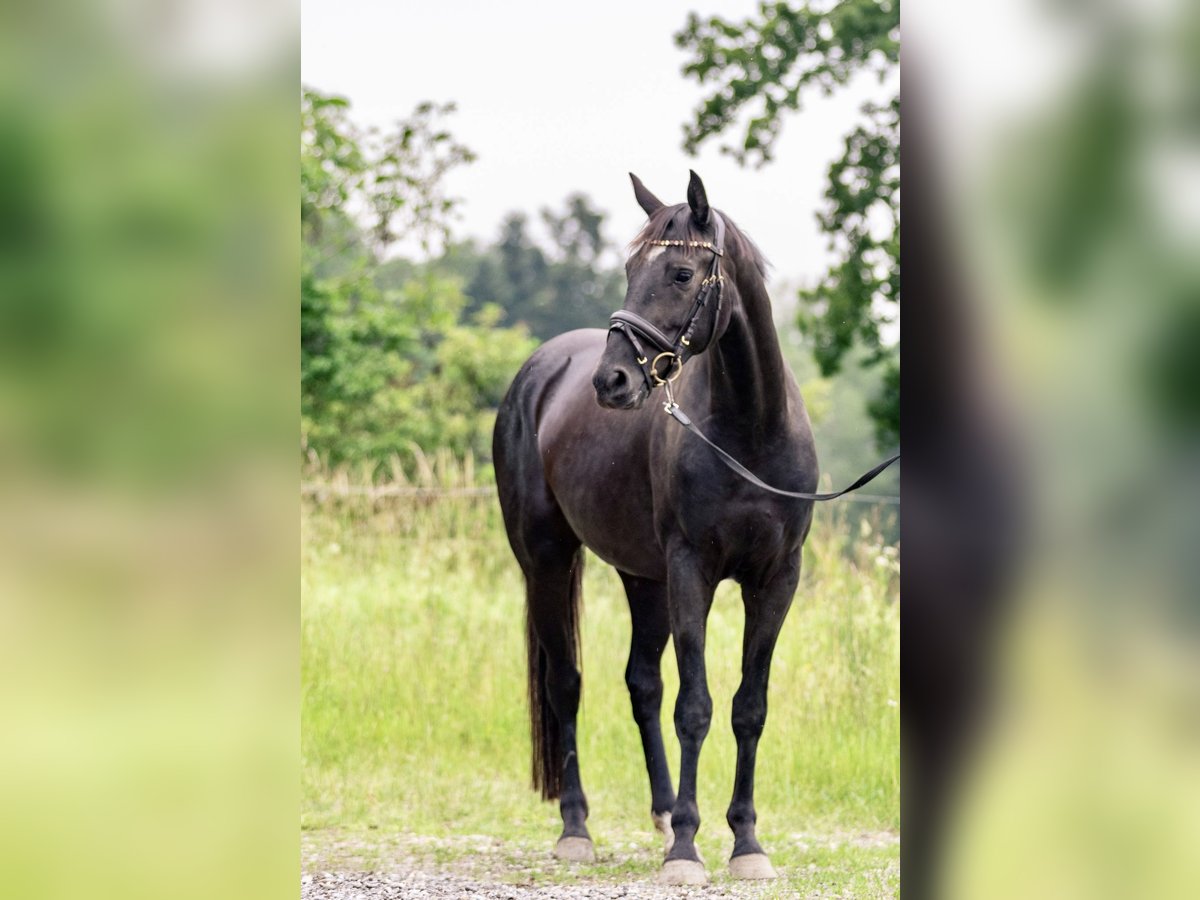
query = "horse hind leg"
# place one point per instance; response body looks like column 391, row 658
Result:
column 553, row 594
column 643, row 676
column 552, row 561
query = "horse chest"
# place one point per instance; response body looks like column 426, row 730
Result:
column 739, row 535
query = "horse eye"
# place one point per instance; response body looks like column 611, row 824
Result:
column 683, row 276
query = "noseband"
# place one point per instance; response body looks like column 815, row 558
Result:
column 678, row 350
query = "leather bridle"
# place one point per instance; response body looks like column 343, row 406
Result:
column 678, row 350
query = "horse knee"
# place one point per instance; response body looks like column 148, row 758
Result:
column 749, row 714
column 645, row 690
column 693, row 713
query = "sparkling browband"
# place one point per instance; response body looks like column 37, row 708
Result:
column 707, row 245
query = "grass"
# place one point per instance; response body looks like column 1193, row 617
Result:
column 413, row 693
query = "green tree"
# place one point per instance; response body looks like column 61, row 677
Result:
column 389, row 358
column 397, row 176
column 585, row 286
column 762, row 68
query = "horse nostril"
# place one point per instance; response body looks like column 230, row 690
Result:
column 612, row 386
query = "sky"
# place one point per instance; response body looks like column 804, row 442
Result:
column 559, row 98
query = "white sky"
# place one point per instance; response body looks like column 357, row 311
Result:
column 557, row 98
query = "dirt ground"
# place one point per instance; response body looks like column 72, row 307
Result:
column 379, row 866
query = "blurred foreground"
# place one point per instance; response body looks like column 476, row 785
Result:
column 1053, row 237
column 148, row 247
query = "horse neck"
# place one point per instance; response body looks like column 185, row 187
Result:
column 746, row 372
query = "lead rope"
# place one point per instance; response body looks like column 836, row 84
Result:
column 671, row 408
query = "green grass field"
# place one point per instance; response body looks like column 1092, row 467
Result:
column 414, row 718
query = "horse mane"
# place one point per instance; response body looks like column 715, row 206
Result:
column 661, row 225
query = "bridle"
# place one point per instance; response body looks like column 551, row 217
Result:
column 678, row 350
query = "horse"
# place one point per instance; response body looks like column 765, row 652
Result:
column 582, row 460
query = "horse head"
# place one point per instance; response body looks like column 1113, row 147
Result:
column 679, row 298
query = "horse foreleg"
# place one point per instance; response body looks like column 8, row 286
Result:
column 690, row 598
column 766, row 606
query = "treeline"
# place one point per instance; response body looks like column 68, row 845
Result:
column 566, row 280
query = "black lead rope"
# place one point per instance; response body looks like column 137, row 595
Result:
column 681, row 417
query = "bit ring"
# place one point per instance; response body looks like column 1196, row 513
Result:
column 670, row 376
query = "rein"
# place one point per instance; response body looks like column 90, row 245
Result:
column 678, row 350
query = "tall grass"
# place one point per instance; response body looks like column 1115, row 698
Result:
column 413, row 676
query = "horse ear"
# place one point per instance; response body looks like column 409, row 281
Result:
column 697, row 200
column 646, row 200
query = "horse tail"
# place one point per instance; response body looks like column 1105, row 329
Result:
column 545, row 735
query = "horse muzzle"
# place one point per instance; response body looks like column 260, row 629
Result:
column 618, row 387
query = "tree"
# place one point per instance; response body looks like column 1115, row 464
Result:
column 551, row 289
column 387, row 360
column 762, row 68
column 397, row 177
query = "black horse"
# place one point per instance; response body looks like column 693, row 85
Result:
column 582, row 460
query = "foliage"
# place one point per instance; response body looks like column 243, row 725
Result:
column 764, row 67
column 388, row 365
column 570, row 280
column 838, row 409
column 396, row 177
column 331, row 161
column 405, row 372
column 550, row 287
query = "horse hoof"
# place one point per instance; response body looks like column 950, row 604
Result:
column 682, row 871
column 752, row 867
column 662, row 822
column 575, row 849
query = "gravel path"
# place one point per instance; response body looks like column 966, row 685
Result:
column 382, row 866
column 414, row 885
